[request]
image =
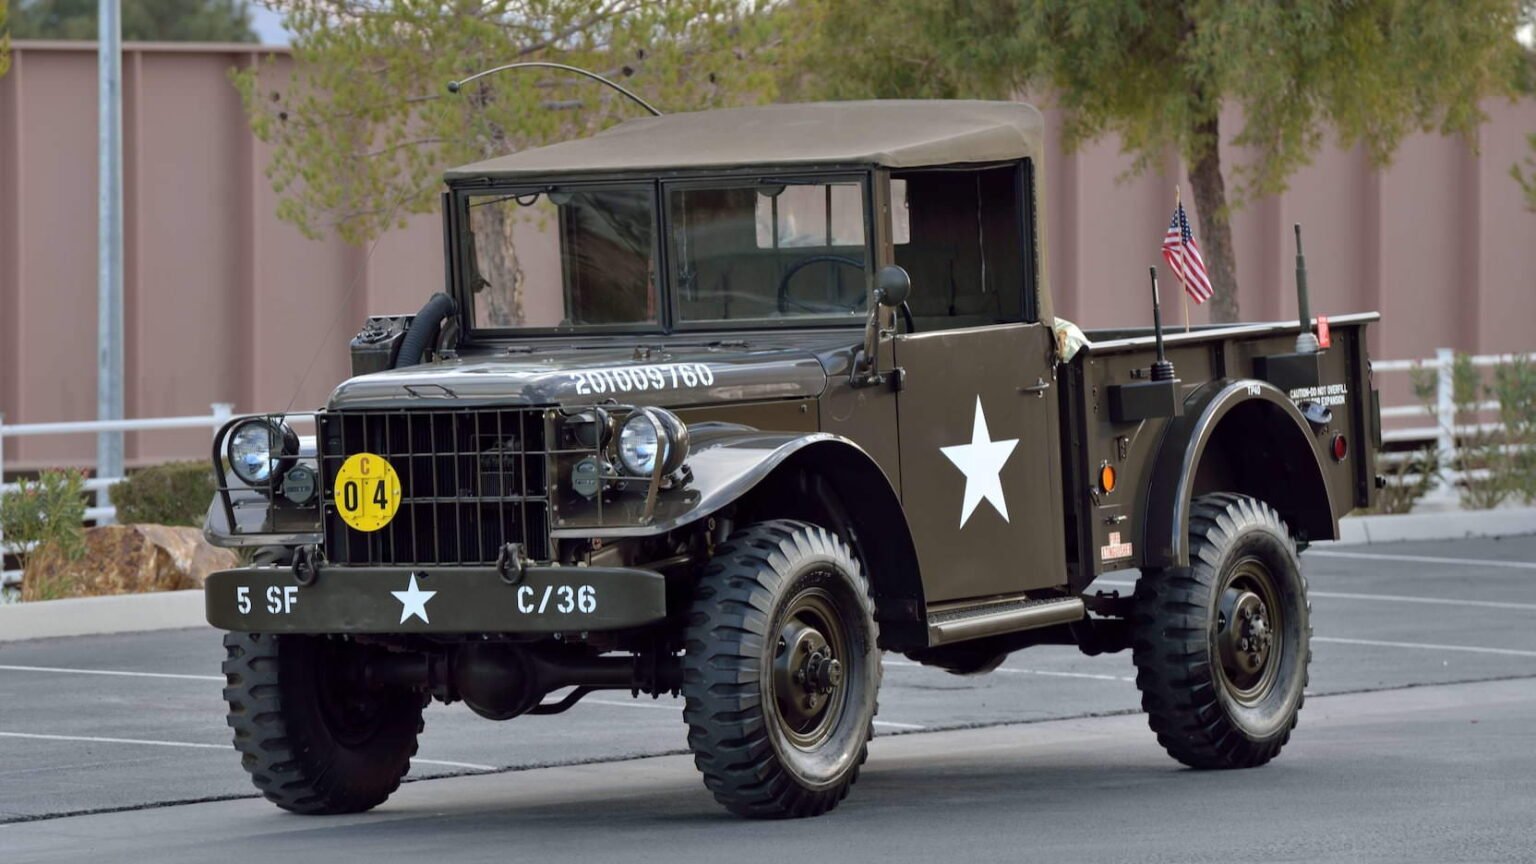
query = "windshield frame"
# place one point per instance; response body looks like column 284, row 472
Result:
column 463, row 257
column 786, row 177
column 459, row 263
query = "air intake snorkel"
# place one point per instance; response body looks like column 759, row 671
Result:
column 424, row 330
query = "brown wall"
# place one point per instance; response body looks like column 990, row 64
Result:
column 227, row 304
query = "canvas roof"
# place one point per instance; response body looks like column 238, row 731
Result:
column 888, row 133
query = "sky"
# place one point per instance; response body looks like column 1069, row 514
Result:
column 269, row 25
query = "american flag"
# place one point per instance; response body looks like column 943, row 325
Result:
column 1183, row 255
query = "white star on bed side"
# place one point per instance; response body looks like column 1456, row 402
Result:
column 413, row 602
column 982, row 463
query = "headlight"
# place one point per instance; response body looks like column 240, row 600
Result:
column 650, row 434
column 256, row 450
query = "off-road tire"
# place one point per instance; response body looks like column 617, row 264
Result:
column 293, row 752
column 1184, row 688
column 745, row 599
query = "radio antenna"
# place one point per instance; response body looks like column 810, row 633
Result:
column 1306, row 341
column 456, row 86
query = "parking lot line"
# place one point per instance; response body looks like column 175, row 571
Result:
column 1390, row 598
column 1442, row 601
column 1473, row 649
column 124, row 673
column 675, row 707
column 634, row 703
column 118, row 672
column 93, row 739
column 473, row 766
column 1421, row 559
column 1049, row 673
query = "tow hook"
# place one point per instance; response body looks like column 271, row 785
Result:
column 511, row 565
column 305, row 569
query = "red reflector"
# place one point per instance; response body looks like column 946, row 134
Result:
column 1340, row 448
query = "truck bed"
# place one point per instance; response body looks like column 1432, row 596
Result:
column 1258, row 359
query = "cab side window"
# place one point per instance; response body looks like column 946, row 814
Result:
column 959, row 234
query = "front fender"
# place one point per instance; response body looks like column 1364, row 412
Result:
column 1295, row 484
column 727, row 462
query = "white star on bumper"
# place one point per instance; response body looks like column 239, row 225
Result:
column 982, row 463
column 413, row 602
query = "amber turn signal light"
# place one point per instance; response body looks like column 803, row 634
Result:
column 1107, row 478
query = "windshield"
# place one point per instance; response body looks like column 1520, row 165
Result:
column 756, row 251
column 562, row 258
column 583, row 258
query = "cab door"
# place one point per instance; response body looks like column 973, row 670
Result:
column 980, row 459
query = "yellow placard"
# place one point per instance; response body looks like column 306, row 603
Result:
column 367, row 491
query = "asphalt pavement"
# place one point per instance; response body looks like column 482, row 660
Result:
column 1397, row 755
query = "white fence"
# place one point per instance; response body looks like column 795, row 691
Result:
column 1445, row 432
column 219, row 413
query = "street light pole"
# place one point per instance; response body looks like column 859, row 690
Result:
column 109, row 252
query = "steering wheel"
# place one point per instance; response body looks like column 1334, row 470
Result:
column 784, row 299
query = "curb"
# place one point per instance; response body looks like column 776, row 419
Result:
column 176, row 610
column 1457, row 525
column 91, row 616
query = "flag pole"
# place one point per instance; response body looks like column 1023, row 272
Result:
column 1177, row 200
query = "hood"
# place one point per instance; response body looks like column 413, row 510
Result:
column 670, row 376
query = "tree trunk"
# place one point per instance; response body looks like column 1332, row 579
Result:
column 499, row 294
column 1215, row 229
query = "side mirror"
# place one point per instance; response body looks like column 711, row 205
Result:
column 893, row 285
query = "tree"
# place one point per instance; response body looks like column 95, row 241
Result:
column 142, row 20
column 1158, row 73
column 1526, row 175
column 365, row 126
column 5, row 42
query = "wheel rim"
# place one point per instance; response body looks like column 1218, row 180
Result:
column 808, row 680
column 1249, row 632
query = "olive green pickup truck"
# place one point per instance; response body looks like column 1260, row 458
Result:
column 726, row 405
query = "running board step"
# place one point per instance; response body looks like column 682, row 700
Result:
column 995, row 617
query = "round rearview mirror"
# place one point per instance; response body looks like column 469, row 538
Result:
column 894, row 285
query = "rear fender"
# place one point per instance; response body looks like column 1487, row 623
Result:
column 1240, row 436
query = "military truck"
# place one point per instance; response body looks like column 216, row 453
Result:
column 727, row 404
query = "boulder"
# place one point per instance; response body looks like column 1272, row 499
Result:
column 125, row 559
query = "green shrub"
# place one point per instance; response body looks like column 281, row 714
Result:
column 1409, row 475
column 176, row 493
column 48, row 511
column 1503, row 457
column 1514, row 385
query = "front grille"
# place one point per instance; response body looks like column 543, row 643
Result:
column 471, row 481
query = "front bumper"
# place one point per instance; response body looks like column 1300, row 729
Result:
column 342, row 599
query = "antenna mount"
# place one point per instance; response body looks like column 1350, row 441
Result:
column 1162, row 369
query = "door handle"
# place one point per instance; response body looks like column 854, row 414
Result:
column 1038, row 388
